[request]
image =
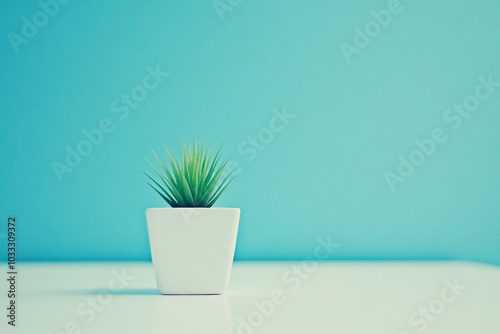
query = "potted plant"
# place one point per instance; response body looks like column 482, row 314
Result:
column 192, row 243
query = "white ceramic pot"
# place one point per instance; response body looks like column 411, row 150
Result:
column 192, row 248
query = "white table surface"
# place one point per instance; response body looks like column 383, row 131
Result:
column 334, row 297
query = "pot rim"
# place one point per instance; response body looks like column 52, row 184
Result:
column 193, row 208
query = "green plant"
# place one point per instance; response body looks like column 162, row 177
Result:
column 197, row 181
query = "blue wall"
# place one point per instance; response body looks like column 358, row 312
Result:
column 357, row 102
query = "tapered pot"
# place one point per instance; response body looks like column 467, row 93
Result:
column 192, row 248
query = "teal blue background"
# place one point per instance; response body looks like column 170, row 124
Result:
column 322, row 175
